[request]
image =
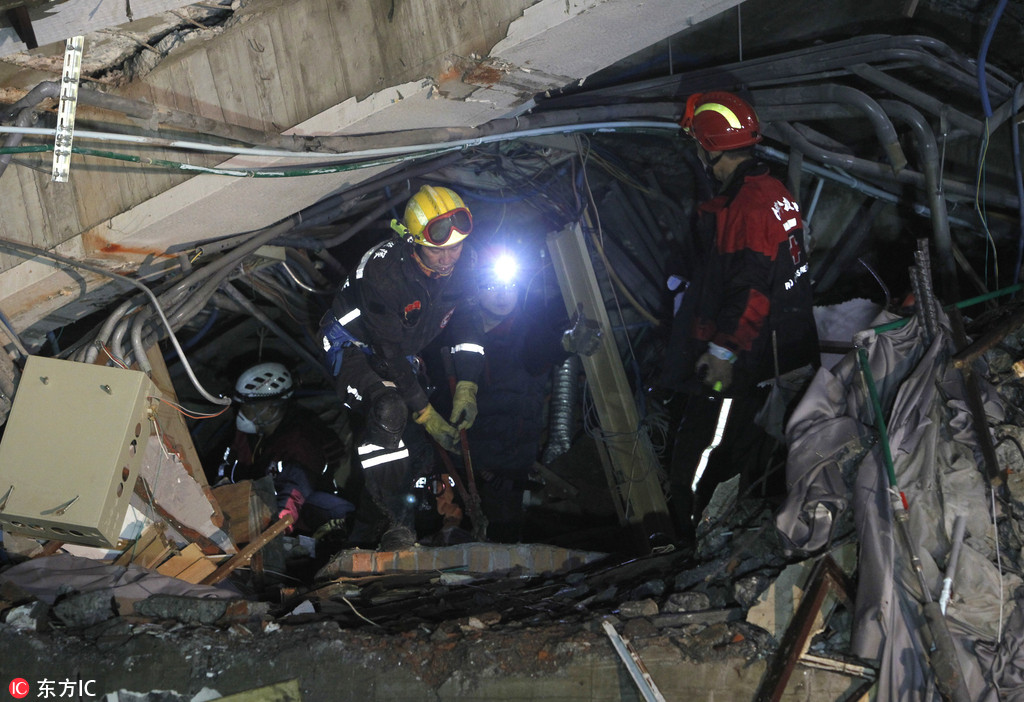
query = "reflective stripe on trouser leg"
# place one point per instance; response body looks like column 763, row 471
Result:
column 371, row 455
column 723, row 417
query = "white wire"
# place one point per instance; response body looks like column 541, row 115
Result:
column 35, row 250
column 364, row 153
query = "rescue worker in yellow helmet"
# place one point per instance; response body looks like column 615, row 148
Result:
column 404, row 293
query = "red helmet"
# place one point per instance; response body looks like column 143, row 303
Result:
column 720, row 121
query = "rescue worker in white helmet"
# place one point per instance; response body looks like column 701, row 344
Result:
column 404, row 293
column 277, row 437
column 745, row 316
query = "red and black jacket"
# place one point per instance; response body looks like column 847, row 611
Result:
column 748, row 280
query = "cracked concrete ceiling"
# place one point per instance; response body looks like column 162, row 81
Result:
column 255, row 70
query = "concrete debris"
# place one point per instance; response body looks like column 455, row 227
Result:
column 651, row 588
column 638, row 608
column 85, row 609
column 687, row 602
column 746, row 590
column 28, row 617
column 187, row 610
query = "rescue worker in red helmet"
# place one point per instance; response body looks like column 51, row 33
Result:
column 404, row 293
column 746, row 313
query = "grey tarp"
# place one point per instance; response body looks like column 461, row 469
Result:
column 52, row 576
column 835, row 462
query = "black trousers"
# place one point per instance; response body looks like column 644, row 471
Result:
column 745, row 449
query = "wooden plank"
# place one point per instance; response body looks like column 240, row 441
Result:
column 138, row 546
column 177, row 563
column 243, row 556
column 245, row 513
column 635, row 465
column 259, row 519
column 150, row 550
column 155, row 554
column 197, row 571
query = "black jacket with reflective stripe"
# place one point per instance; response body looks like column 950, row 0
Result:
column 401, row 310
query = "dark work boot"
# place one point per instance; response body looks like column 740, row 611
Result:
column 397, row 538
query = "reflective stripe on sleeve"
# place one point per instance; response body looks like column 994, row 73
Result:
column 469, row 348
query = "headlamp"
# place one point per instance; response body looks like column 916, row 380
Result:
column 504, row 269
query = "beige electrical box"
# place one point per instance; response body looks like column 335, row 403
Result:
column 72, row 449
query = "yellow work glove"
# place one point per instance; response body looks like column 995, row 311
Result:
column 714, row 368
column 443, row 432
column 464, row 405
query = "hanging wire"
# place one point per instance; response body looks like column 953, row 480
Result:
column 347, row 161
column 980, row 207
column 598, row 242
column 191, row 414
column 24, row 249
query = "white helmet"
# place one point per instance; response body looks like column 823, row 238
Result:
column 264, row 381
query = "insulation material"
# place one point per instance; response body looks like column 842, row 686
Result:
column 936, row 467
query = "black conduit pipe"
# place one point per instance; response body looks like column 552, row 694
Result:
column 784, row 132
column 843, row 95
column 270, row 324
column 928, row 150
column 921, row 99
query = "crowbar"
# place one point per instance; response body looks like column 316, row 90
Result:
column 473, row 502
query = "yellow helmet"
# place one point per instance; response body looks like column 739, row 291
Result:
column 436, row 217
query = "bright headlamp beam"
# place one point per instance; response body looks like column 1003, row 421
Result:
column 505, row 269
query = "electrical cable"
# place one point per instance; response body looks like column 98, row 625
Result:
column 191, row 414
column 611, row 270
column 980, row 205
column 986, row 41
column 233, row 172
column 24, row 249
column 15, row 339
column 429, row 149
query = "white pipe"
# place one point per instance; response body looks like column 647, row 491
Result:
column 366, row 153
column 959, row 526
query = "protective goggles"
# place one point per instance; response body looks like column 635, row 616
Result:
column 440, row 229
